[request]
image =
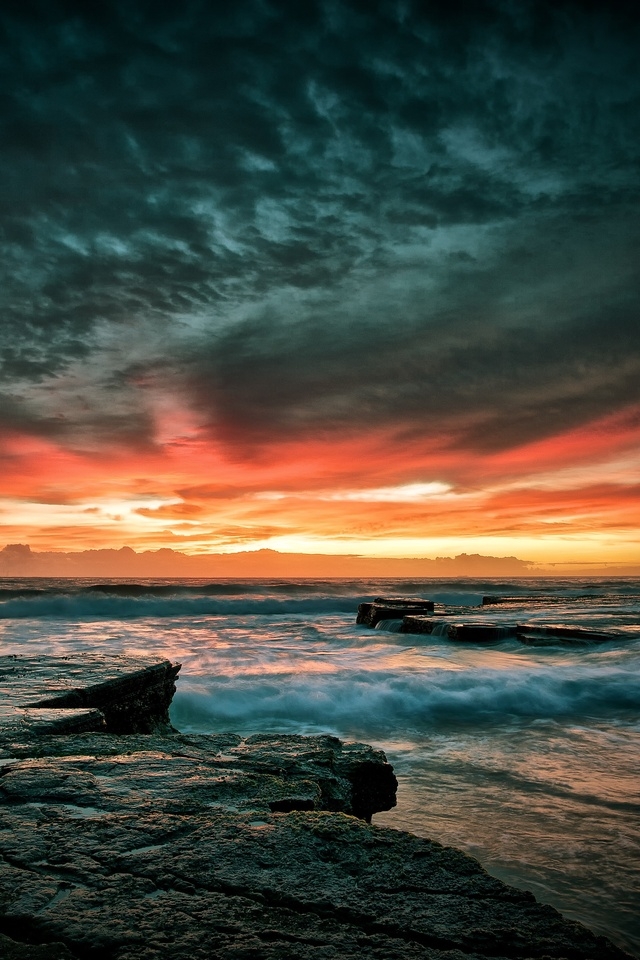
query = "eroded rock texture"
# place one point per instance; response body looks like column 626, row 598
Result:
column 194, row 774
column 217, row 885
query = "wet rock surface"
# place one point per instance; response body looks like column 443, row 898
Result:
column 194, row 774
column 164, row 845
column 391, row 608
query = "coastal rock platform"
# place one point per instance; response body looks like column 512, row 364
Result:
column 408, row 616
column 144, row 846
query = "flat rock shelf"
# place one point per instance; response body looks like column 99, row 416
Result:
column 153, row 844
column 408, row 616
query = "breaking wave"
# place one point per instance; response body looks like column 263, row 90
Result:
column 107, row 606
column 125, row 599
column 374, row 703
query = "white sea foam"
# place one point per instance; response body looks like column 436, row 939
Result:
column 376, row 703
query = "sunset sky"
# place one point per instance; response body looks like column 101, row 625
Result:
column 333, row 277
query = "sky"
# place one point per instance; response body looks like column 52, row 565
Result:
column 326, row 277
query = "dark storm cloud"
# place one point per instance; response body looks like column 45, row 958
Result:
column 491, row 364
column 81, row 423
column 328, row 214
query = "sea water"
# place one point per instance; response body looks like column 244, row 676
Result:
column 524, row 756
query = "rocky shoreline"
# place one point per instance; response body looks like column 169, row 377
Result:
column 122, row 839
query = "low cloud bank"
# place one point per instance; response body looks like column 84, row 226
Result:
column 18, row 560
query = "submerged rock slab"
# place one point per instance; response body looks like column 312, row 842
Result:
column 541, row 634
column 525, row 600
column 480, row 632
column 534, row 634
column 461, row 632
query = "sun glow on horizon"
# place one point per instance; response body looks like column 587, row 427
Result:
column 310, row 498
column 547, row 549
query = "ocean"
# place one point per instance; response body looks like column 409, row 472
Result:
column 524, row 756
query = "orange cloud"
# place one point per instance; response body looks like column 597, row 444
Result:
column 381, row 488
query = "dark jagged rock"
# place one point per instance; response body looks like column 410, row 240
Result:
column 391, row 608
column 163, row 845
